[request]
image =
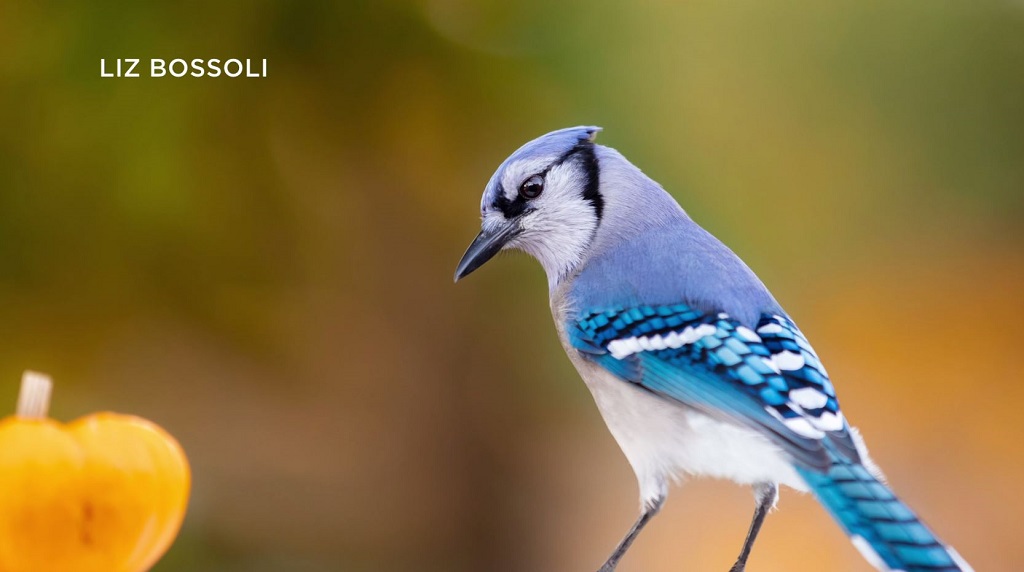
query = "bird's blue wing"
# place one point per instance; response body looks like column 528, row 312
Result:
column 767, row 378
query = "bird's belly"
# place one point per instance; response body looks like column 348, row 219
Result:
column 666, row 440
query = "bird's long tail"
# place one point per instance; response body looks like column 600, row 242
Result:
column 881, row 526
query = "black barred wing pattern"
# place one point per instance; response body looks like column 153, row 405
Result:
column 768, row 377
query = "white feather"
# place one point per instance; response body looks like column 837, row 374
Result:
column 666, row 440
column 808, row 398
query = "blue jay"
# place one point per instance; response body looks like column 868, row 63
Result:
column 695, row 367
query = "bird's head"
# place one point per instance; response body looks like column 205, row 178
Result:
column 545, row 200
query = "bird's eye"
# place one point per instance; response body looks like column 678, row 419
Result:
column 532, row 187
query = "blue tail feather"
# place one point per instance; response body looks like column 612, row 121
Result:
column 884, row 529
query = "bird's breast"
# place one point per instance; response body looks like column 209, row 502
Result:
column 664, row 439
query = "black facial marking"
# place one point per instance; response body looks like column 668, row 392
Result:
column 591, row 192
column 582, row 152
column 510, row 209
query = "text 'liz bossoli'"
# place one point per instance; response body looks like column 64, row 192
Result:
column 178, row 67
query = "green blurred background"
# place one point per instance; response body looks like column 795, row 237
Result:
column 263, row 266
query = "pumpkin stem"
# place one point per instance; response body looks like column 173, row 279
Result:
column 34, row 398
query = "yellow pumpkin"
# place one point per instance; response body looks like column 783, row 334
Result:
column 105, row 493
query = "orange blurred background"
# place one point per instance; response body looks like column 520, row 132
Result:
column 263, row 266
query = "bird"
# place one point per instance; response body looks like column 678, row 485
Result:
column 695, row 367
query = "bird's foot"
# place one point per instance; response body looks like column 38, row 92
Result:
column 608, row 566
column 739, row 566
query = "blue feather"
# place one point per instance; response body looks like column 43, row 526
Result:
column 718, row 367
column 726, row 373
column 867, row 509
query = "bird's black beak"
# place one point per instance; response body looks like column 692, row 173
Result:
column 485, row 246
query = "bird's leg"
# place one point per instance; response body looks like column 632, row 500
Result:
column 766, row 495
column 650, row 509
